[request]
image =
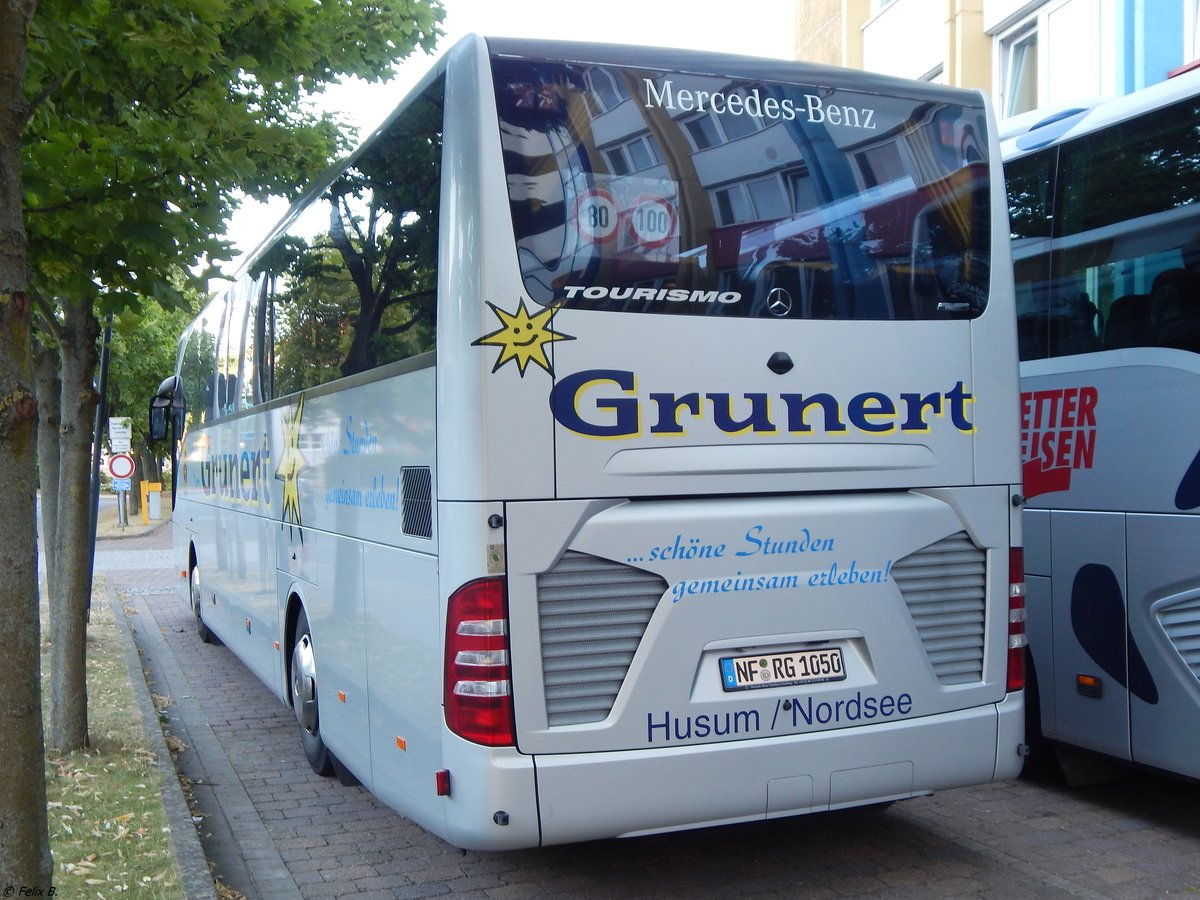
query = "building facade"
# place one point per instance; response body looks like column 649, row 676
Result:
column 1026, row 54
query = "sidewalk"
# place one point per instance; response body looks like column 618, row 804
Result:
column 108, row 529
column 136, row 564
column 194, row 875
column 233, row 836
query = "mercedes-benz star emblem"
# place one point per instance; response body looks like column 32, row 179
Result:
column 779, row 302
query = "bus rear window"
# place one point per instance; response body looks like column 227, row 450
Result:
column 654, row 192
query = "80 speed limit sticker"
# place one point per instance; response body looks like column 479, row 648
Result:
column 596, row 216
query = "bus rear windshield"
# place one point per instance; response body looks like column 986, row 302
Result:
column 647, row 191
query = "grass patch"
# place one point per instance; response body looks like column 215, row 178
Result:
column 108, row 832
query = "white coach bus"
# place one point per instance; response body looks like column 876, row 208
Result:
column 1105, row 209
column 623, row 441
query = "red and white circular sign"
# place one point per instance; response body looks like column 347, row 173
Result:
column 120, row 465
column 652, row 221
column 596, row 215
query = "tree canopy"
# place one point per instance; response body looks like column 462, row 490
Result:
column 128, row 130
column 150, row 117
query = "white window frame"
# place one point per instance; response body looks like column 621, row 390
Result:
column 625, row 151
column 1191, row 31
column 618, row 88
column 723, row 137
column 1006, row 46
column 1041, row 19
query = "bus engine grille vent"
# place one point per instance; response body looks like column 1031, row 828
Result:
column 592, row 614
column 944, row 586
column 416, row 498
column 1181, row 622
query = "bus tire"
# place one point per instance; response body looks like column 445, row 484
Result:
column 304, row 699
column 194, row 590
column 1040, row 761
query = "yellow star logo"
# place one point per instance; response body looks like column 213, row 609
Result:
column 291, row 464
column 523, row 337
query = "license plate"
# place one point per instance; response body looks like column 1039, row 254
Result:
column 742, row 673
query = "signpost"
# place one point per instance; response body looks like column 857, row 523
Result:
column 121, row 464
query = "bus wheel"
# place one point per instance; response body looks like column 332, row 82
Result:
column 201, row 628
column 304, row 699
column 1040, row 761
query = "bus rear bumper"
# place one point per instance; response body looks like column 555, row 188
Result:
column 629, row 793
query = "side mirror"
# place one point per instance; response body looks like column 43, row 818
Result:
column 166, row 408
column 160, row 427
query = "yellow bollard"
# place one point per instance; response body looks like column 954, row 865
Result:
column 147, row 488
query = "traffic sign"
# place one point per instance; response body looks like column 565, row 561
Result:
column 652, row 221
column 122, row 484
column 120, row 433
column 596, row 215
column 120, row 465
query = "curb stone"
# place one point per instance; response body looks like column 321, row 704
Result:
column 194, row 876
column 239, row 844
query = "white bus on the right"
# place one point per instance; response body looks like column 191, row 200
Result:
column 1104, row 204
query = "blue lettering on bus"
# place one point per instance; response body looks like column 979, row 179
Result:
column 381, row 495
column 358, row 440
column 758, row 543
column 604, row 403
column 858, row 708
column 240, row 477
column 670, row 727
column 852, row 574
column 686, row 549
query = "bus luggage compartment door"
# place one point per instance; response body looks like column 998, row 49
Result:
column 657, row 624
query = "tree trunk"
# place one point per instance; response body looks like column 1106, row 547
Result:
column 151, row 464
column 135, row 489
column 24, row 839
column 69, row 600
column 48, row 390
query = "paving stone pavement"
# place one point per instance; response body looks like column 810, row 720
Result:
column 275, row 829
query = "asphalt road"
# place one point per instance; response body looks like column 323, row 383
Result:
column 274, row 829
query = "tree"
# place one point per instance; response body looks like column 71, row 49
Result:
column 157, row 113
column 24, row 841
column 125, row 129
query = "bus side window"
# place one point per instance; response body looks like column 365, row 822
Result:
column 1072, row 326
column 1128, row 323
column 1175, row 309
column 198, row 361
column 216, row 395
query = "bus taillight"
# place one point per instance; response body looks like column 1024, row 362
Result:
column 477, row 693
column 1017, row 641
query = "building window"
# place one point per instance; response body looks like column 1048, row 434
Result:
column 733, row 206
column 703, row 131
column 1019, row 56
column 765, row 199
column 606, row 88
column 635, row 155
column 708, row 129
column 1061, row 54
column 1191, row 31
